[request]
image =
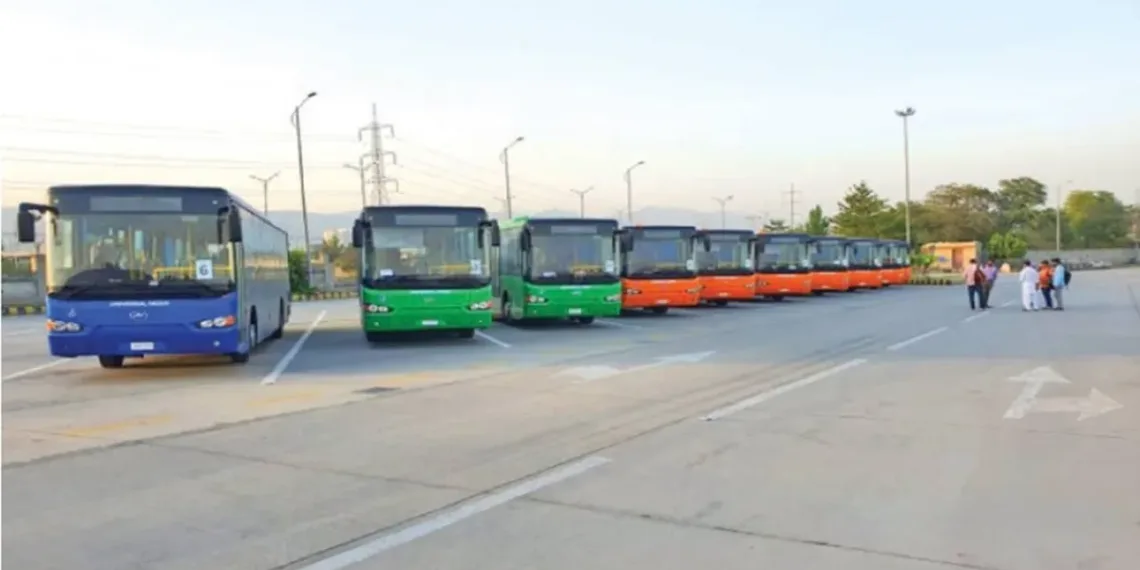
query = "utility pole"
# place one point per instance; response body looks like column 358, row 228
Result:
column 265, row 189
column 362, row 170
column 506, row 160
column 582, row 200
column 723, row 209
column 792, row 205
column 375, row 130
column 1057, row 215
column 906, row 114
column 296, row 120
column 629, row 190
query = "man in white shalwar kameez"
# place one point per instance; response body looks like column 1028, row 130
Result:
column 1028, row 279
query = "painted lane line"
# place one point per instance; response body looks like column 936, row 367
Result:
column 780, row 390
column 490, row 338
column 464, row 511
column 972, row 318
column 32, row 370
column 918, row 338
column 282, row 364
column 1008, row 303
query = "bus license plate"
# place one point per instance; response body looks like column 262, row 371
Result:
column 575, row 311
column 430, row 323
column 142, row 346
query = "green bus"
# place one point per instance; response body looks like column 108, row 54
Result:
column 424, row 268
column 557, row 268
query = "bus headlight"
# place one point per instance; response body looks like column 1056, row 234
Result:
column 217, row 322
column 63, row 326
column 381, row 309
column 535, row 299
column 613, row 298
column 633, row 291
column 480, row 306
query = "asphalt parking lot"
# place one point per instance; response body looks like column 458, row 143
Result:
column 879, row 430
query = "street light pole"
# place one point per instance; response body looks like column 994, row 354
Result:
column 723, row 209
column 505, row 158
column 1057, row 215
column 582, row 200
column 629, row 190
column 265, row 189
column 296, row 119
column 906, row 114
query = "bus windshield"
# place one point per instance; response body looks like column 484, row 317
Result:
column 829, row 254
column 784, row 255
column 426, row 256
column 572, row 257
column 660, row 256
column 863, row 253
column 127, row 255
column 725, row 256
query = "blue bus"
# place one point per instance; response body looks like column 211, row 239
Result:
column 137, row 270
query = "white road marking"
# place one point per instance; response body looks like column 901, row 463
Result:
column 32, row 370
column 918, row 338
column 282, row 364
column 1008, row 303
column 975, row 317
column 780, row 390
column 464, row 511
column 616, row 324
column 1028, row 401
column 490, row 338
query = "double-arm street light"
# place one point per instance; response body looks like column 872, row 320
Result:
column 505, row 158
column 629, row 189
column 582, row 200
column 295, row 118
column 723, row 209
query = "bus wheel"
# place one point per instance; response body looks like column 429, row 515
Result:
column 817, row 293
column 243, row 357
column 466, row 333
column 111, row 361
column 372, row 336
column 584, row 320
column 777, row 297
column 506, row 305
column 659, row 310
column 720, row 303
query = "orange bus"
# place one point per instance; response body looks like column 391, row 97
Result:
column 829, row 271
column 865, row 266
column 725, row 270
column 893, row 253
column 658, row 268
column 783, row 265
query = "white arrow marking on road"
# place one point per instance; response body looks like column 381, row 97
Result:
column 591, row 373
column 1094, row 405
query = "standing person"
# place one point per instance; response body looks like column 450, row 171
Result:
column 1028, row 280
column 974, row 280
column 1060, row 281
column 1045, row 283
column 990, row 271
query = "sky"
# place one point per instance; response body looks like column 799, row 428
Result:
column 718, row 97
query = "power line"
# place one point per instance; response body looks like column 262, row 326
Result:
column 153, row 131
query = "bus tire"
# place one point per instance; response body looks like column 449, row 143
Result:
column 280, row 332
column 373, row 336
column 776, row 297
column 506, row 305
column 466, row 333
column 111, row 361
column 243, row 357
column 659, row 310
column 720, row 303
column 584, row 320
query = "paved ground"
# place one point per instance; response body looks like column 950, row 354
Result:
column 875, row 431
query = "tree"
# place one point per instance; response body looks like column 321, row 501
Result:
column 961, row 212
column 1017, row 199
column 1007, row 246
column 298, row 280
column 776, row 226
column 860, row 213
column 1098, row 218
column 817, row 224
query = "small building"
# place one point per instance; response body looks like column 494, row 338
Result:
column 953, row 256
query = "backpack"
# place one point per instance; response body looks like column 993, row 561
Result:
column 1068, row 275
column 979, row 276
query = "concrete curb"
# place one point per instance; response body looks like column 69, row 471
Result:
column 938, row 281
column 18, row 310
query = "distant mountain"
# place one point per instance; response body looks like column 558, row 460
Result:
column 320, row 222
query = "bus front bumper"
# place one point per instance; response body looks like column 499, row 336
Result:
column 142, row 340
column 569, row 310
column 426, row 320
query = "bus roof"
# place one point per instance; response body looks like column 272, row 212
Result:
column 426, row 208
column 726, row 232
column 659, row 227
column 160, row 188
column 521, row 220
column 784, row 234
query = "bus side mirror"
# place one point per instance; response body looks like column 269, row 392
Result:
column 358, row 233
column 625, row 241
column 524, row 240
column 234, row 221
column 496, row 236
column 26, row 226
column 706, row 243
